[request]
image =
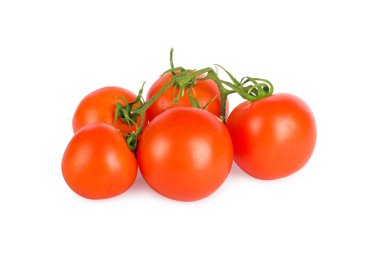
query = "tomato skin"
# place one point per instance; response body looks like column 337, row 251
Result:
column 205, row 91
column 99, row 107
column 185, row 153
column 97, row 162
column 272, row 137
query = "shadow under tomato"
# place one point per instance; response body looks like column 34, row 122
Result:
column 236, row 172
column 139, row 186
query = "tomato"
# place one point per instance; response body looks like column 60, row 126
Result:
column 205, row 91
column 100, row 105
column 185, row 153
column 97, row 162
column 272, row 137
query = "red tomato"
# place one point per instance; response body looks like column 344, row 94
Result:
column 99, row 107
column 185, row 153
column 205, row 91
column 272, row 137
column 97, row 163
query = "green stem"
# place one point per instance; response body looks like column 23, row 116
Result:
column 261, row 88
column 171, row 61
column 242, row 91
column 211, row 74
column 144, row 107
column 223, row 102
column 141, row 111
column 223, row 94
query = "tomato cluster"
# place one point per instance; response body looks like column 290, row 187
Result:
column 181, row 138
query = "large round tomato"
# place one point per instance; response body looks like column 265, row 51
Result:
column 272, row 137
column 97, row 163
column 99, row 107
column 205, row 91
column 185, row 153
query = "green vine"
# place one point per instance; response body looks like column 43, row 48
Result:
column 249, row 88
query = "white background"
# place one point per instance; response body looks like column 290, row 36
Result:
column 52, row 53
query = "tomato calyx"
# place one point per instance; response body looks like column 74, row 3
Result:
column 259, row 88
column 132, row 111
column 125, row 112
column 183, row 78
column 186, row 79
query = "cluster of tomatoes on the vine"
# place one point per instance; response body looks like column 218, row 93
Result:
column 182, row 138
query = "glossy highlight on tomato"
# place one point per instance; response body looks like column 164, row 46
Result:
column 185, row 153
column 97, row 163
column 99, row 107
column 272, row 137
column 204, row 90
